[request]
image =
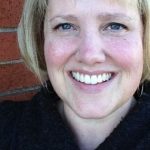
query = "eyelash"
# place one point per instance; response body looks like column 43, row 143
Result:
column 116, row 26
column 110, row 27
column 62, row 26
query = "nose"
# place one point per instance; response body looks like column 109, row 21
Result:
column 91, row 49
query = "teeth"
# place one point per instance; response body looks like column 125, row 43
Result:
column 78, row 76
column 91, row 79
column 81, row 78
column 87, row 79
column 94, row 79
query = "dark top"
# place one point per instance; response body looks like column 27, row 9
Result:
column 37, row 125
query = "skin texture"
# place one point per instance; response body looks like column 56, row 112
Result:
column 91, row 45
column 91, row 50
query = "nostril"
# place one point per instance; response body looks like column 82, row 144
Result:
column 90, row 56
column 91, row 49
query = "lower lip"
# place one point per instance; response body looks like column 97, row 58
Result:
column 90, row 88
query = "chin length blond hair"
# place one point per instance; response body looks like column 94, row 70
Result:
column 31, row 36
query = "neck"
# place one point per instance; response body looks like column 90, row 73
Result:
column 89, row 133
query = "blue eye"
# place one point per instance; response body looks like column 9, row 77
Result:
column 65, row 27
column 115, row 27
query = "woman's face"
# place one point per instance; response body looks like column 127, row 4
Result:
column 94, row 54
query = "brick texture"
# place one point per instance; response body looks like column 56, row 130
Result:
column 14, row 76
column 18, row 97
column 9, row 48
column 10, row 12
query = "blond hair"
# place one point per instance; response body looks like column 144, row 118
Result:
column 31, row 36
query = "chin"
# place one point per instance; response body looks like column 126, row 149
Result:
column 94, row 112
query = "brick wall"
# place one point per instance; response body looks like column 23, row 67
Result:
column 16, row 82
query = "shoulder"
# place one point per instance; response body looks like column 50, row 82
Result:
column 32, row 124
column 143, row 122
column 12, row 117
column 10, row 111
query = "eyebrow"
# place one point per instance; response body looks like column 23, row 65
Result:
column 101, row 16
column 65, row 17
column 109, row 16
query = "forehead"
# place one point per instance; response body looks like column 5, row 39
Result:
column 74, row 4
column 120, row 2
column 124, row 2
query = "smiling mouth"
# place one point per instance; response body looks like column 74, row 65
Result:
column 91, row 79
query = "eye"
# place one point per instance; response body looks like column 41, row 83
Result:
column 115, row 27
column 65, row 27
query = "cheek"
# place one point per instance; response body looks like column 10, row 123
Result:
column 58, row 51
column 126, row 53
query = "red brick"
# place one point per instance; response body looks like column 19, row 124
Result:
column 19, row 97
column 10, row 12
column 8, row 48
column 16, row 76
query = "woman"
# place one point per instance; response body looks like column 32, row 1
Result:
column 95, row 55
